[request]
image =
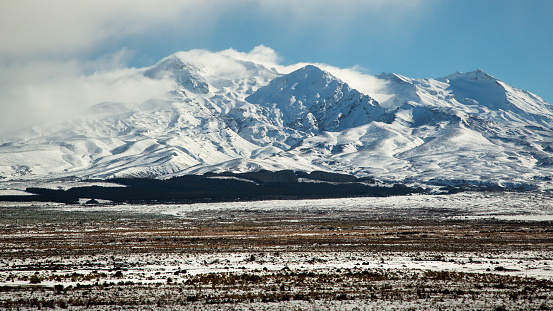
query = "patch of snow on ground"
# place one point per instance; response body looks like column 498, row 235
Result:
column 503, row 205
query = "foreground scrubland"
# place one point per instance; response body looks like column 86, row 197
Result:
column 419, row 253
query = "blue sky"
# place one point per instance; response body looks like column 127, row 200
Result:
column 511, row 40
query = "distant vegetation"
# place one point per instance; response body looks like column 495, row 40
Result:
column 261, row 185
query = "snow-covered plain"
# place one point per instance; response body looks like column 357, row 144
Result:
column 510, row 206
column 432, row 252
column 493, row 205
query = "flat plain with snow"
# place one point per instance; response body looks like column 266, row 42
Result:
column 420, row 252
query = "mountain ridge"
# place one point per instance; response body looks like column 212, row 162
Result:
column 237, row 116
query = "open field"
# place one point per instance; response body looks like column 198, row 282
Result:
column 465, row 251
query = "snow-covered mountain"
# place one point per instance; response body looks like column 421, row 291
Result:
column 237, row 115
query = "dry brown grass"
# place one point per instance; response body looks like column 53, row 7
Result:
column 57, row 233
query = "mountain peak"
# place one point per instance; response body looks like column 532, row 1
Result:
column 311, row 68
column 475, row 75
column 313, row 100
column 185, row 74
column 306, row 82
column 399, row 79
column 312, row 73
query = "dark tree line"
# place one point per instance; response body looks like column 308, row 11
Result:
column 261, row 185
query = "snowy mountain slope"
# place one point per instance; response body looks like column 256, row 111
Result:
column 301, row 104
column 474, row 128
column 229, row 114
column 498, row 100
column 312, row 100
column 155, row 138
column 138, row 143
column 184, row 74
column 495, row 134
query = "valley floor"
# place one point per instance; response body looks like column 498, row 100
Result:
column 469, row 251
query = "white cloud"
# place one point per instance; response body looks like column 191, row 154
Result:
column 223, row 64
column 260, row 55
column 41, row 91
column 354, row 76
column 45, row 46
column 357, row 79
column 62, row 27
column 338, row 9
column 380, row 16
column 38, row 91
